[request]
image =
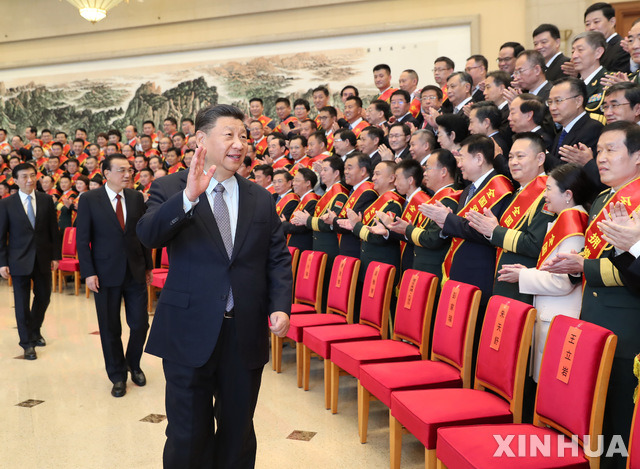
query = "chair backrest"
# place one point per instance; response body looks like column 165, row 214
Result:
column 310, row 278
column 164, row 259
column 415, row 308
column 574, row 377
column 504, row 348
column 342, row 286
column 633, row 461
column 69, row 242
column 455, row 325
column 376, row 296
column 295, row 256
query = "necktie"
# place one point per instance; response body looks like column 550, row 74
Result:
column 221, row 214
column 30, row 214
column 472, row 190
column 563, row 134
column 119, row 212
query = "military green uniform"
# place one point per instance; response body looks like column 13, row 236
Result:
column 521, row 246
column 607, row 302
column 595, row 96
column 430, row 248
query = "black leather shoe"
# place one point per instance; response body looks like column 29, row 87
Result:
column 119, row 389
column 40, row 342
column 30, row 353
column 138, row 377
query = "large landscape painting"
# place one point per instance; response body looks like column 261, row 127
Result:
column 112, row 94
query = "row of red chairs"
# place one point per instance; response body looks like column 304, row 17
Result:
column 432, row 398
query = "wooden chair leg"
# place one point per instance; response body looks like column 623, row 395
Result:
column 327, row 384
column 278, row 355
column 10, row 281
column 441, row 465
column 430, row 460
column 335, row 383
column 60, row 281
column 54, row 283
column 395, row 441
column 364, row 397
column 76, row 282
column 87, row 291
column 299, row 347
column 306, row 367
column 273, row 351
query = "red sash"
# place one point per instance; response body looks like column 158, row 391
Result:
column 386, row 96
column 40, row 163
column 411, row 213
column 493, row 192
column 379, row 204
column 176, row 167
column 351, row 201
column 522, row 207
column 145, row 189
column 285, row 123
column 318, row 122
column 327, row 199
column 445, row 193
column 53, row 192
column 570, row 222
column 56, row 176
column 65, row 150
column 594, row 245
column 81, row 158
column 264, row 120
column 302, row 163
column 151, row 152
column 359, row 128
column 330, row 139
column 282, row 203
column 281, row 163
column 415, row 107
column 261, row 146
column 319, row 157
column 271, row 189
column 93, row 173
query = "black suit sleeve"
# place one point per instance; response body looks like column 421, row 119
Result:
column 4, row 231
column 54, row 232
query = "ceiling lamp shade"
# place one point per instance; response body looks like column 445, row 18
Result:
column 94, row 10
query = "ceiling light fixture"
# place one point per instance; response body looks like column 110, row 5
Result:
column 94, row 10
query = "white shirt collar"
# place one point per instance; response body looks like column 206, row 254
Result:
column 359, row 184
column 425, row 159
column 230, row 185
column 462, row 104
column 480, row 180
column 590, row 77
column 112, row 194
column 573, row 122
column 611, row 37
column 412, row 194
column 537, row 90
column 503, row 104
column 23, row 196
column 443, row 187
column 355, row 122
column 552, row 59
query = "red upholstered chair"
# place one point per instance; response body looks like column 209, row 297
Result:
column 450, row 364
column 69, row 264
column 159, row 277
column 307, row 298
column 633, row 461
column 501, row 368
column 373, row 324
column 340, row 302
column 410, row 339
column 572, row 389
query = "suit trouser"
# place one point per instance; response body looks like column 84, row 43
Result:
column 108, row 301
column 30, row 316
column 192, row 439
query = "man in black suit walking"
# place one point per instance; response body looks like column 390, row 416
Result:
column 116, row 266
column 29, row 250
column 230, row 275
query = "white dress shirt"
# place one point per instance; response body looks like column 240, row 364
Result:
column 23, row 199
column 112, row 198
column 231, row 197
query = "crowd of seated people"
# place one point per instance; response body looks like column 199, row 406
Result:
column 471, row 179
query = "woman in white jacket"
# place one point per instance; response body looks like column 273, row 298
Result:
column 567, row 191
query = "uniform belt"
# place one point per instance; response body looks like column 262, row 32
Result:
column 230, row 314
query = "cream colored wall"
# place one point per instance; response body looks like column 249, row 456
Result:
column 76, row 40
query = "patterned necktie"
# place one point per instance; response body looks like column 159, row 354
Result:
column 30, row 214
column 472, row 190
column 221, row 214
column 119, row 212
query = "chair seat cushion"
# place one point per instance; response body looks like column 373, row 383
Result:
column 349, row 356
column 159, row 270
column 159, row 280
column 299, row 308
column 423, row 411
column 476, row 447
column 380, row 379
column 69, row 265
column 300, row 321
column 319, row 339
